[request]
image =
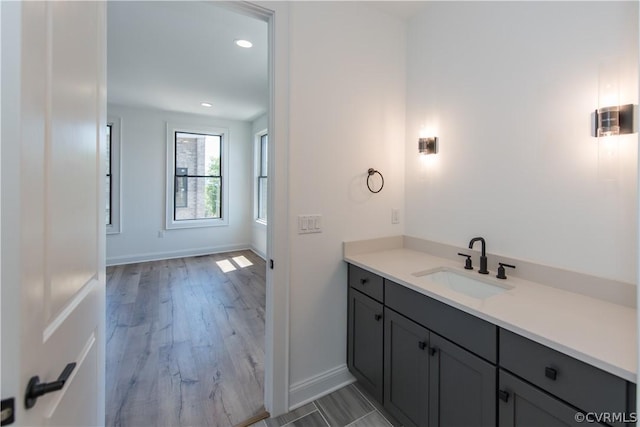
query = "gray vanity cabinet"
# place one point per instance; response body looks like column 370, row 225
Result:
column 523, row 405
column 396, row 353
column 365, row 332
column 461, row 388
column 431, row 364
column 560, row 378
column 429, row 381
column 364, row 343
column 406, row 370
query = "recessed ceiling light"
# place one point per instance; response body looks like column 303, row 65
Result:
column 206, row 104
column 244, row 43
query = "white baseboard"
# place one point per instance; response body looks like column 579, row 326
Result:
column 156, row 256
column 319, row 385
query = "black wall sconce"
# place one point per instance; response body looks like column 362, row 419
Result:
column 615, row 120
column 428, row 145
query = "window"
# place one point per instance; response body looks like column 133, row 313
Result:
column 109, row 202
column 262, row 169
column 195, row 177
column 112, row 181
column 197, row 193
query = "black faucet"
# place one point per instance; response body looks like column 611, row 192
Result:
column 483, row 257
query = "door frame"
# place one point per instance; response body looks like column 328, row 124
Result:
column 276, row 365
column 10, row 320
column 277, row 300
column 276, row 14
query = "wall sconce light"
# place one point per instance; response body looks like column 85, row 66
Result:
column 608, row 123
column 428, row 145
column 610, row 120
column 614, row 120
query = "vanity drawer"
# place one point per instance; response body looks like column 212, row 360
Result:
column 576, row 382
column 474, row 334
column 366, row 282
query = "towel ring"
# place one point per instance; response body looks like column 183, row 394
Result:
column 370, row 173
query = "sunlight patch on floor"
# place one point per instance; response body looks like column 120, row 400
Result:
column 225, row 265
column 242, row 261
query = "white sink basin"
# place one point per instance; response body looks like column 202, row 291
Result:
column 465, row 284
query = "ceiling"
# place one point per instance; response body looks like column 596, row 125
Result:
column 174, row 55
column 404, row 10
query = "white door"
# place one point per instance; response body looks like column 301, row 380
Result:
column 53, row 168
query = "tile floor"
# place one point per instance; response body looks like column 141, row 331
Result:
column 349, row 406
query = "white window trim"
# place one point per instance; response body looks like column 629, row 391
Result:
column 170, row 223
column 256, row 173
column 116, row 171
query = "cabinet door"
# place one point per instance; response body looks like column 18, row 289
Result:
column 462, row 388
column 406, row 370
column 364, row 341
column 570, row 380
column 523, row 405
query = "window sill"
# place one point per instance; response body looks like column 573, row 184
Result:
column 196, row 223
column 261, row 222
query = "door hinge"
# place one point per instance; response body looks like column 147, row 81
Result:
column 7, row 412
column 271, row 264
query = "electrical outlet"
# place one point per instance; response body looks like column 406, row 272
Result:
column 395, row 216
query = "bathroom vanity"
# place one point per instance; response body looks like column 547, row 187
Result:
column 528, row 355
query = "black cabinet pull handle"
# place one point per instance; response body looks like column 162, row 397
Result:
column 550, row 373
column 422, row 345
column 503, row 395
column 35, row 388
column 378, row 317
column 433, row 350
column 363, row 281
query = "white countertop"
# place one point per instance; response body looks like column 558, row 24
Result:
column 600, row 333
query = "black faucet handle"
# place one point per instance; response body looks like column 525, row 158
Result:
column 501, row 272
column 467, row 263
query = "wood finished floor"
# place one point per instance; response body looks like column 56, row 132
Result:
column 185, row 341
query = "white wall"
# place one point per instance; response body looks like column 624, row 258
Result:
column 508, row 87
column 143, row 190
column 347, row 103
column 258, row 230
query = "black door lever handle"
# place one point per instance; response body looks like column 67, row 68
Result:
column 35, row 388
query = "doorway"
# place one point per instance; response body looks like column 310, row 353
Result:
column 136, row 116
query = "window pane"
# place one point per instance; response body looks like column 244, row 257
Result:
column 262, row 198
column 108, row 191
column 202, row 198
column 108, row 182
column 181, row 188
column 264, row 141
column 108, row 149
column 199, row 153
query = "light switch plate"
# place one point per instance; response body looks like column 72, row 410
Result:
column 309, row 224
